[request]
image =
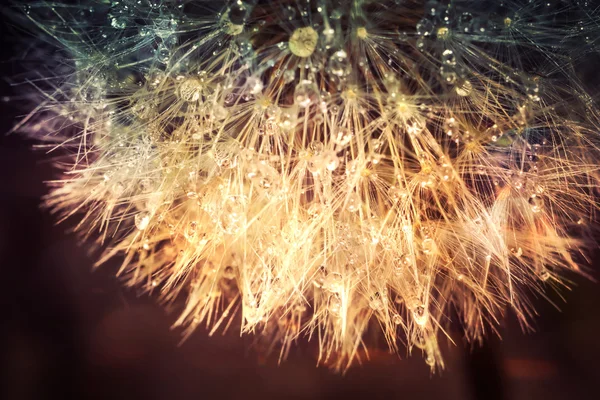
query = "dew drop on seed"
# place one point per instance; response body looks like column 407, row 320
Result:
column 142, row 220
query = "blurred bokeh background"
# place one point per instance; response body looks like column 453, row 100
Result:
column 68, row 331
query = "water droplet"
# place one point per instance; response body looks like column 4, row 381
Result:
column 537, row 203
column 163, row 54
column 428, row 246
column 450, row 126
column 397, row 194
column 518, row 183
column 190, row 90
column 142, row 220
column 334, row 282
column 315, row 164
column 448, row 57
column 239, row 12
column 287, row 120
column 425, row 27
column 316, row 147
column 119, row 22
column 335, row 304
column 272, row 112
column 465, row 22
column 219, row 113
column 420, row 315
column 448, row 74
column 494, row 133
column 353, row 202
column 305, row 94
column 289, row 12
column 191, row 230
column 532, row 89
column 332, row 161
column 232, row 214
column 339, row 64
column 289, row 76
column 343, row 137
column 146, row 31
column 254, row 84
column 319, row 278
column 464, row 88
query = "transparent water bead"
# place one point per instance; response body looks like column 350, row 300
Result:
column 339, row 65
column 353, row 202
column 425, row 27
column 335, row 304
column 396, row 194
column 142, row 220
column 465, row 22
column 448, row 74
column 319, row 277
column 537, row 203
column 272, row 112
column 450, row 126
column 343, row 137
column 464, row 88
column 316, row 147
column 331, row 160
column 428, row 246
column 316, row 165
column 306, row 93
column 238, row 13
column 334, row 282
column 190, row 90
column 163, row 54
column 420, row 315
column 532, row 88
column 232, row 215
column 448, row 57
column 119, row 22
column 254, row 84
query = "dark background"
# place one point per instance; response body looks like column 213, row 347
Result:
column 67, row 331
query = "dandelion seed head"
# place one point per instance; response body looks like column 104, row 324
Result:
column 320, row 167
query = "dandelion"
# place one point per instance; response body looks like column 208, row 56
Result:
column 323, row 166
